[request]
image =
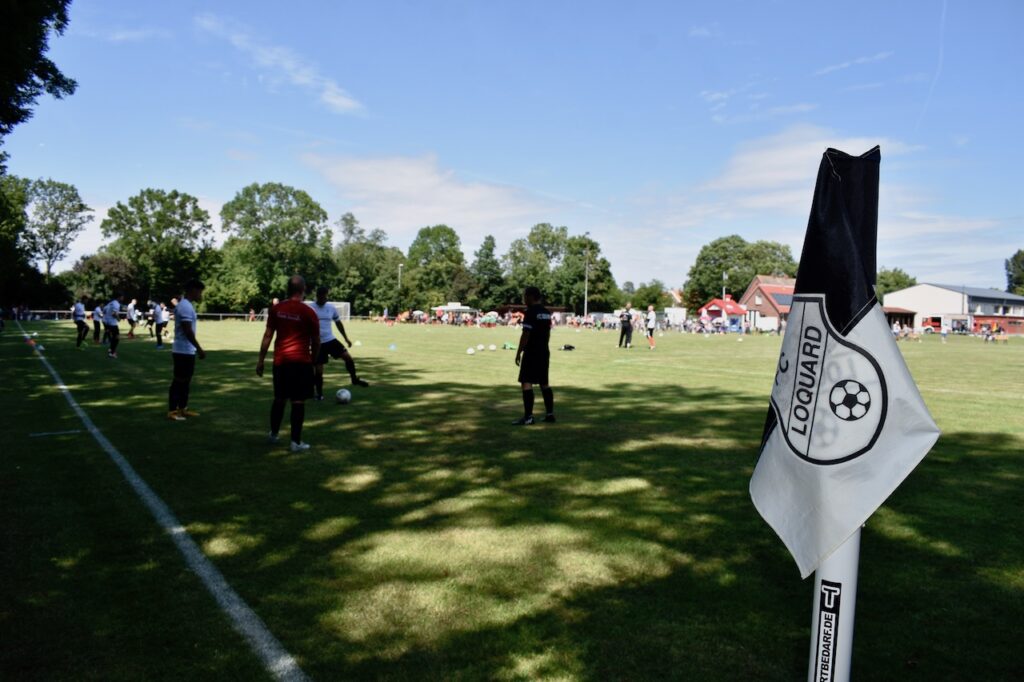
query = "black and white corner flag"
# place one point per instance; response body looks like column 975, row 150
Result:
column 846, row 423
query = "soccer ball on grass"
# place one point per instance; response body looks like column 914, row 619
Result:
column 343, row 396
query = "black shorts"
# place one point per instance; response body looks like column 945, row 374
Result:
column 82, row 326
column 293, row 381
column 112, row 330
column 184, row 365
column 534, row 368
column 650, row 332
column 331, row 349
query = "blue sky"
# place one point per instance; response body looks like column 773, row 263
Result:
column 654, row 126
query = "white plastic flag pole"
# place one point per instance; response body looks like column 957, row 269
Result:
column 835, row 596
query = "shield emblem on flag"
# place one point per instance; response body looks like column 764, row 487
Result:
column 829, row 397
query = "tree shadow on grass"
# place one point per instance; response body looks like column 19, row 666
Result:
column 423, row 538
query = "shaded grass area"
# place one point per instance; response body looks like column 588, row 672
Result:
column 91, row 587
column 424, row 538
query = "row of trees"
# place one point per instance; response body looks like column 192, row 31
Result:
column 157, row 239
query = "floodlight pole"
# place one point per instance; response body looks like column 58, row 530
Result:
column 586, row 283
column 725, row 276
column 835, row 599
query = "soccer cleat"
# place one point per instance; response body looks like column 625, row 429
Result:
column 549, row 418
column 359, row 382
column 299, row 447
column 175, row 416
column 273, row 437
column 112, row 356
column 185, row 412
column 523, row 421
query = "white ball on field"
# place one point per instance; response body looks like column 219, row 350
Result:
column 343, row 396
column 492, row 347
column 470, row 350
column 480, row 346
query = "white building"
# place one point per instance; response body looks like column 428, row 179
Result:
column 968, row 308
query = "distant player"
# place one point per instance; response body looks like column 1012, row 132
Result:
column 533, row 357
column 297, row 345
column 330, row 347
column 160, row 318
column 111, row 321
column 184, row 351
column 626, row 326
column 132, row 317
column 97, row 323
column 78, row 315
column 652, row 324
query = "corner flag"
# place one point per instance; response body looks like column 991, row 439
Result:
column 846, row 423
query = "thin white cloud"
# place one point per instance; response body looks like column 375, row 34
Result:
column 401, row 194
column 705, row 31
column 863, row 86
column 854, row 62
column 756, row 113
column 282, row 63
column 126, row 35
column 938, row 65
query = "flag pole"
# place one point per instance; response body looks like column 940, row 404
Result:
column 835, row 596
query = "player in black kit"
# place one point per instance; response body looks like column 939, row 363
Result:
column 626, row 326
column 533, row 357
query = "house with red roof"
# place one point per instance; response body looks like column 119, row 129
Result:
column 723, row 311
column 767, row 301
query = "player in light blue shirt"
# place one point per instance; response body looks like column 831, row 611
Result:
column 78, row 316
column 184, row 351
column 111, row 319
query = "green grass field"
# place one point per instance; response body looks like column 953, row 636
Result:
column 424, row 538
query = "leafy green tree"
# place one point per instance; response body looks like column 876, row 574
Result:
column 281, row 231
column 25, row 71
column 531, row 261
column 166, row 235
column 768, row 258
column 892, row 279
column 15, row 244
column 436, row 266
column 99, row 276
column 569, row 283
column 651, row 293
column 57, row 215
column 232, row 285
column 628, row 288
column 739, row 261
column 489, row 281
column 704, row 281
column 384, row 291
column 1015, row 273
column 359, row 259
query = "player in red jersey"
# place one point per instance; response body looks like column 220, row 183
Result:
column 298, row 342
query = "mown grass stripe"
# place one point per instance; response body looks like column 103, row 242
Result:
column 277, row 661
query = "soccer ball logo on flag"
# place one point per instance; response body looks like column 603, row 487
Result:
column 850, row 400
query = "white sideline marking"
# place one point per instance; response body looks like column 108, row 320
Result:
column 53, row 433
column 276, row 660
